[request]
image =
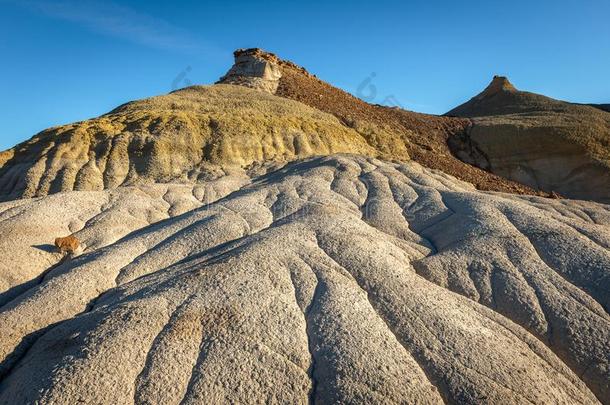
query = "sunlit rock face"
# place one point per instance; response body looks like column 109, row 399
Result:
column 256, row 69
column 272, row 242
column 187, row 136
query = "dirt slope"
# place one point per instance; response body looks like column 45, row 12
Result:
column 425, row 136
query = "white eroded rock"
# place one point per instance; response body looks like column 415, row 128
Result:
column 334, row 279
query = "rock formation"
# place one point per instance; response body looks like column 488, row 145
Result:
column 424, row 136
column 339, row 279
column 201, row 131
column 189, row 135
column 67, row 244
column 255, row 69
column 537, row 141
column 244, row 247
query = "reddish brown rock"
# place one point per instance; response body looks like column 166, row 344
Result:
column 68, row 244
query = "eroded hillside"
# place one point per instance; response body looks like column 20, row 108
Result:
column 223, row 260
column 197, row 132
column 189, row 135
column 538, row 141
column 424, row 136
column 338, row 279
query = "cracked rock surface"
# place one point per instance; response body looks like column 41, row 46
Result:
column 332, row 279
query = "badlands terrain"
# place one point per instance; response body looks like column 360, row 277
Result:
column 271, row 238
column 535, row 140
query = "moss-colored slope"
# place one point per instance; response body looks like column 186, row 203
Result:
column 182, row 136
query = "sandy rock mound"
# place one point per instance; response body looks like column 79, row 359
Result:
column 544, row 143
column 97, row 219
column 336, row 279
column 186, row 136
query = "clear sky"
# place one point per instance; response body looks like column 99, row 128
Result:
column 68, row 60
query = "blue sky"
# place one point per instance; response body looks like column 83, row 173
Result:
column 68, row 60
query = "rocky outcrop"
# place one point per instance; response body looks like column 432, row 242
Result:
column 490, row 101
column 255, row 69
column 499, row 84
column 201, row 132
column 539, row 154
column 334, row 279
column 537, row 141
column 223, row 260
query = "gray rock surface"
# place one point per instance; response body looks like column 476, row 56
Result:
column 334, row 279
column 96, row 218
column 532, row 151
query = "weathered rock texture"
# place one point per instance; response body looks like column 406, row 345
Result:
column 535, row 140
column 219, row 266
column 193, row 134
column 335, row 279
column 97, row 219
column 255, row 69
column 186, row 136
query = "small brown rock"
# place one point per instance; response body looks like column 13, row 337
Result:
column 68, row 244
